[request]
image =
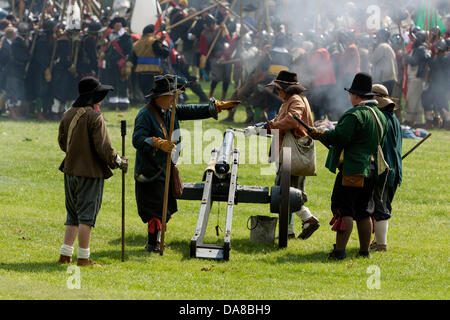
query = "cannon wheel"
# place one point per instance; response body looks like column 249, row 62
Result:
column 284, row 205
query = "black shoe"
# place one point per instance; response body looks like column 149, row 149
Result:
column 309, row 227
column 152, row 247
column 363, row 254
column 337, row 254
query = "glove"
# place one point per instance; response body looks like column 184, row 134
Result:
column 122, row 163
column 73, row 70
column 316, row 134
column 226, row 105
column 261, row 125
column 202, row 62
column 48, row 75
column 125, row 72
column 164, row 145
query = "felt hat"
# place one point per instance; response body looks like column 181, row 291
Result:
column 286, row 81
column 361, row 85
column 381, row 95
column 164, row 85
column 91, row 92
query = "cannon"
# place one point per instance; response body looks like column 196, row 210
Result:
column 220, row 184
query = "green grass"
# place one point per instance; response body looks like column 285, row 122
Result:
column 32, row 215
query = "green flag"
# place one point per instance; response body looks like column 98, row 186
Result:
column 428, row 14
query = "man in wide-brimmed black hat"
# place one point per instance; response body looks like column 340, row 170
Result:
column 150, row 138
column 118, row 65
column 295, row 103
column 353, row 150
column 89, row 157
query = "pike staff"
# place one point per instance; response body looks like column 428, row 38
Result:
column 168, row 169
column 416, row 146
column 33, row 44
column 123, row 130
column 220, row 31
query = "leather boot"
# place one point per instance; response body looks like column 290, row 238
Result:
column 15, row 114
column 250, row 115
column 437, row 122
column 87, row 263
column 64, row 259
column 309, row 227
column 230, row 117
column 429, row 124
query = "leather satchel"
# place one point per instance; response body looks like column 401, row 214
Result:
column 176, row 182
column 303, row 155
column 350, row 180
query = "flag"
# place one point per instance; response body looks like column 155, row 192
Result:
column 428, row 16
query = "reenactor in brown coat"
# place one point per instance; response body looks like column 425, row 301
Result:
column 89, row 159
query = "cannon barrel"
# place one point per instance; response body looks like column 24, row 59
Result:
column 226, row 151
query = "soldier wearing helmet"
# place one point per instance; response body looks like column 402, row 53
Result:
column 384, row 64
column 416, row 63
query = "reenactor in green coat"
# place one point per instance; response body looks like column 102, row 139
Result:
column 387, row 183
column 353, row 148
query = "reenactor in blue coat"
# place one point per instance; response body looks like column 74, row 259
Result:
column 152, row 145
column 40, row 76
column 387, row 183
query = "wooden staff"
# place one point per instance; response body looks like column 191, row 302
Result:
column 123, row 129
column 13, row 7
column 269, row 27
column 21, row 9
column 416, row 146
column 93, row 8
column 168, row 169
column 35, row 35
column 241, row 44
column 220, row 31
column 248, row 25
column 56, row 40
column 191, row 17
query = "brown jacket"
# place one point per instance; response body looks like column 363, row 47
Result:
column 90, row 153
column 284, row 121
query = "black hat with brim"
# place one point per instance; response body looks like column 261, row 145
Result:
column 91, row 92
column 361, row 85
column 286, row 80
column 165, row 86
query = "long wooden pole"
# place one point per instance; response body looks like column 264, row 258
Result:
column 168, row 170
column 248, row 25
column 220, row 31
column 416, row 146
column 191, row 17
column 33, row 44
column 61, row 20
column 123, row 127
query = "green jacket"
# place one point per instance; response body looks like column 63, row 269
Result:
column 355, row 135
column 151, row 162
column 392, row 149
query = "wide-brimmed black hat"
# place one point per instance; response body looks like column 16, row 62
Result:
column 287, row 80
column 117, row 19
column 90, row 91
column 164, row 85
column 361, row 85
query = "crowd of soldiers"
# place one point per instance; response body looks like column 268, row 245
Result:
column 43, row 56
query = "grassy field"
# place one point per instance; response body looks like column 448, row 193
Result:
column 32, row 215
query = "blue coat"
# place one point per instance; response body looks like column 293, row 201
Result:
column 151, row 162
column 392, row 149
